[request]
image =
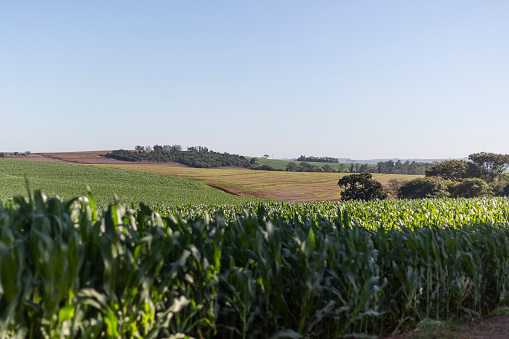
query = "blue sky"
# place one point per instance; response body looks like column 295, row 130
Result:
column 357, row 79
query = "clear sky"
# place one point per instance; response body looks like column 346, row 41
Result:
column 357, row 79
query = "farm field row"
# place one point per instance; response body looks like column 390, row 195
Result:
column 267, row 270
column 287, row 186
column 131, row 187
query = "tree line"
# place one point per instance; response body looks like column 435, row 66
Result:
column 317, row 159
column 484, row 175
column 400, row 167
column 200, row 157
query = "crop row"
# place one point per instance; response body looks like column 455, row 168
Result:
column 70, row 270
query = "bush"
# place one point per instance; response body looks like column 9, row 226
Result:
column 422, row 188
column 500, row 187
column 470, row 188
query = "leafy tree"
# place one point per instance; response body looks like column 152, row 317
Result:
column 422, row 188
column 341, row 168
column 292, row 167
column 139, row 148
column 307, row 167
column 455, row 170
column 470, row 188
column 265, row 156
column 266, row 168
column 176, row 148
column 364, row 168
column 491, row 164
column 361, row 187
column 327, row 168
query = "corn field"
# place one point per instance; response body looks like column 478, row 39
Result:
column 273, row 270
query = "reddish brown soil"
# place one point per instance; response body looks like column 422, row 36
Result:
column 90, row 157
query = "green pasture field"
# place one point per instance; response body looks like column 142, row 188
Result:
column 68, row 181
column 281, row 164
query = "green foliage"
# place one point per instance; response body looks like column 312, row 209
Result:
column 455, row 170
column 500, row 186
column 319, row 270
column 327, row 168
column 421, row 188
column 470, row 188
column 400, row 167
column 199, row 157
column 491, row 164
column 317, row 159
column 292, row 167
column 360, row 187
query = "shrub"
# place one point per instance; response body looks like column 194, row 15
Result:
column 470, row 188
column 423, row 188
column 500, row 187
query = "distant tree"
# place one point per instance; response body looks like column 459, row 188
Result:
column 148, row 148
column 352, row 168
column 455, row 170
column 327, row 168
column 176, row 148
column 27, row 153
column 265, row 156
column 317, row 159
column 361, row 187
column 423, row 188
column 2, row 155
column 364, row 168
column 158, row 148
column 292, row 167
column 491, row 164
column 139, row 148
column 266, row 168
column 341, row 168
column 307, row 167
column 470, row 188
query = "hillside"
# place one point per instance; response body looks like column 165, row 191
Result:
column 70, row 180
